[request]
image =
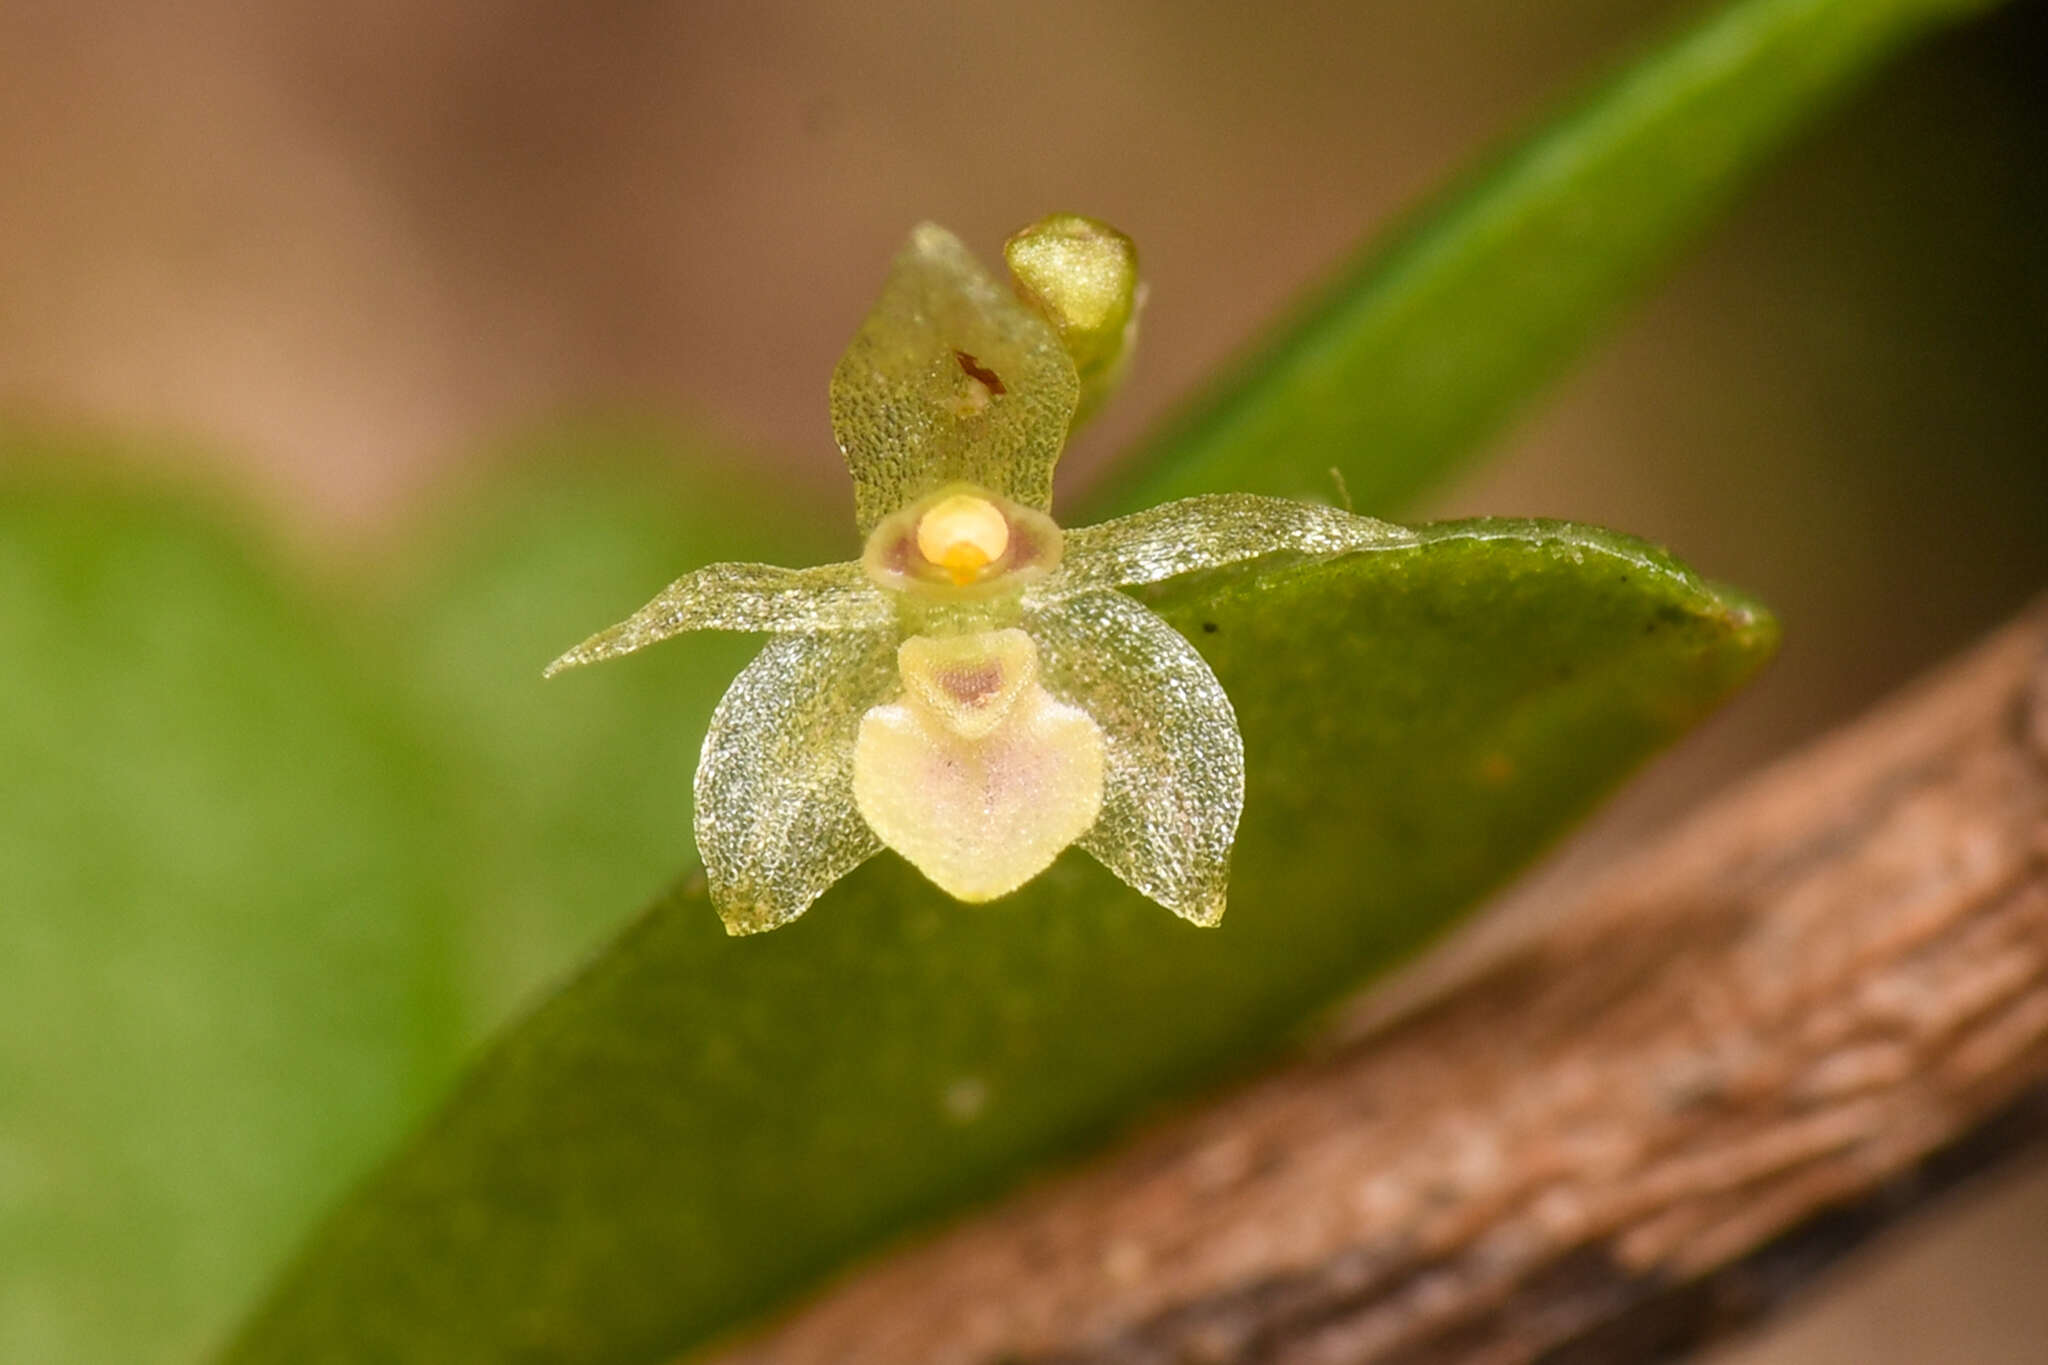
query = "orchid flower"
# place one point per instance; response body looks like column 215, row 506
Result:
column 975, row 692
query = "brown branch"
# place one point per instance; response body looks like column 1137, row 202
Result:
column 1815, row 1004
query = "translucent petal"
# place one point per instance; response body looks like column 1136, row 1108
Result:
column 776, row 822
column 743, row 597
column 951, row 379
column 1205, row 532
column 1176, row 764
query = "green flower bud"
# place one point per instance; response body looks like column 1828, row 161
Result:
column 1083, row 275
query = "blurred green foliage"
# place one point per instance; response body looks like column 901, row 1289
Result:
column 223, row 918
column 273, row 862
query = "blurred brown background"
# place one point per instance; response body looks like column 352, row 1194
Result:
column 330, row 253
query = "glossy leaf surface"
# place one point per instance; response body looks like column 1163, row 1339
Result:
column 697, row 1124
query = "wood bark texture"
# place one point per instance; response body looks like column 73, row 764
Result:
column 1814, row 1005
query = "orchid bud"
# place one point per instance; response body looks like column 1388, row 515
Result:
column 1083, row 276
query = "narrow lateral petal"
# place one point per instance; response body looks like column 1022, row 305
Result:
column 1205, row 532
column 1175, row 782
column 951, row 379
column 776, row 822
column 830, row 597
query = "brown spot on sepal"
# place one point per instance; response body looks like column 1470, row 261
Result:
column 975, row 370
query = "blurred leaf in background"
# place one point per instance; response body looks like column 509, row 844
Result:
column 1431, row 339
column 222, row 919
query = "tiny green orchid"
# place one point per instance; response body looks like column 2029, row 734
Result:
column 975, row 692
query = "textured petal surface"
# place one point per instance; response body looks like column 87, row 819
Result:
column 980, row 815
column 743, row 597
column 950, row 379
column 1204, row 533
column 776, row 822
column 1176, row 764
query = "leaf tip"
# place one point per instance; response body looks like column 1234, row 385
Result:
column 1751, row 627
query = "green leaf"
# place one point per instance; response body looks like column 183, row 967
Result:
column 1421, row 349
column 225, row 987
column 698, row 1125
